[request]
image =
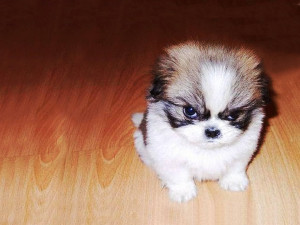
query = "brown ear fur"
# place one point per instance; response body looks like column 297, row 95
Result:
column 265, row 88
column 162, row 73
column 264, row 83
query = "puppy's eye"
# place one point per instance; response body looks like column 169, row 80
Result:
column 232, row 116
column 190, row 112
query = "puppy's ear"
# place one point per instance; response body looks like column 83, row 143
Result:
column 162, row 73
column 265, row 89
column 156, row 89
column 264, row 83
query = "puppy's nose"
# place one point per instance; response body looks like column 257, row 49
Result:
column 212, row 132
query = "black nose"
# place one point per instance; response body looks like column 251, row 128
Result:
column 212, row 132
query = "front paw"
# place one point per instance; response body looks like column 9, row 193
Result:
column 234, row 182
column 182, row 192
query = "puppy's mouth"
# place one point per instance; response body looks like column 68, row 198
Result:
column 209, row 143
column 213, row 143
column 214, row 140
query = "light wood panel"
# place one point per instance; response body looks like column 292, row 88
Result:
column 73, row 72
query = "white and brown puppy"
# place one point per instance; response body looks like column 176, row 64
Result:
column 204, row 117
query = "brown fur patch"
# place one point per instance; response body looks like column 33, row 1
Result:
column 143, row 127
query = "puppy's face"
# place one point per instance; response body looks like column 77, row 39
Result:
column 209, row 94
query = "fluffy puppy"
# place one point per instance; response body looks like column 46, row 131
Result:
column 203, row 118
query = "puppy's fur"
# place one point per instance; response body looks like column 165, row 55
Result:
column 204, row 117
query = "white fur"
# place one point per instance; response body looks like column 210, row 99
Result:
column 137, row 119
column 139, row 140
column 178, row 161
column 217, row 80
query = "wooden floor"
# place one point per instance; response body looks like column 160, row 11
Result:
column 73, row 72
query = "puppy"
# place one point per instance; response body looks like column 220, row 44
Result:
column 203, row 118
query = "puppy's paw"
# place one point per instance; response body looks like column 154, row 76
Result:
column 182, row 192
column 234, row 182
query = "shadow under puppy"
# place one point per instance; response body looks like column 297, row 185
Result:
column 204, row 117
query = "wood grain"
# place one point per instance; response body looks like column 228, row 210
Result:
column 73, row 72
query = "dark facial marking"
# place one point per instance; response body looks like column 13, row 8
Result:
column 175, row 119
column 243, row 122
column 231, row 115
column 206, row 115
column 176, row 122
column 178, row 115
column 238, row 118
